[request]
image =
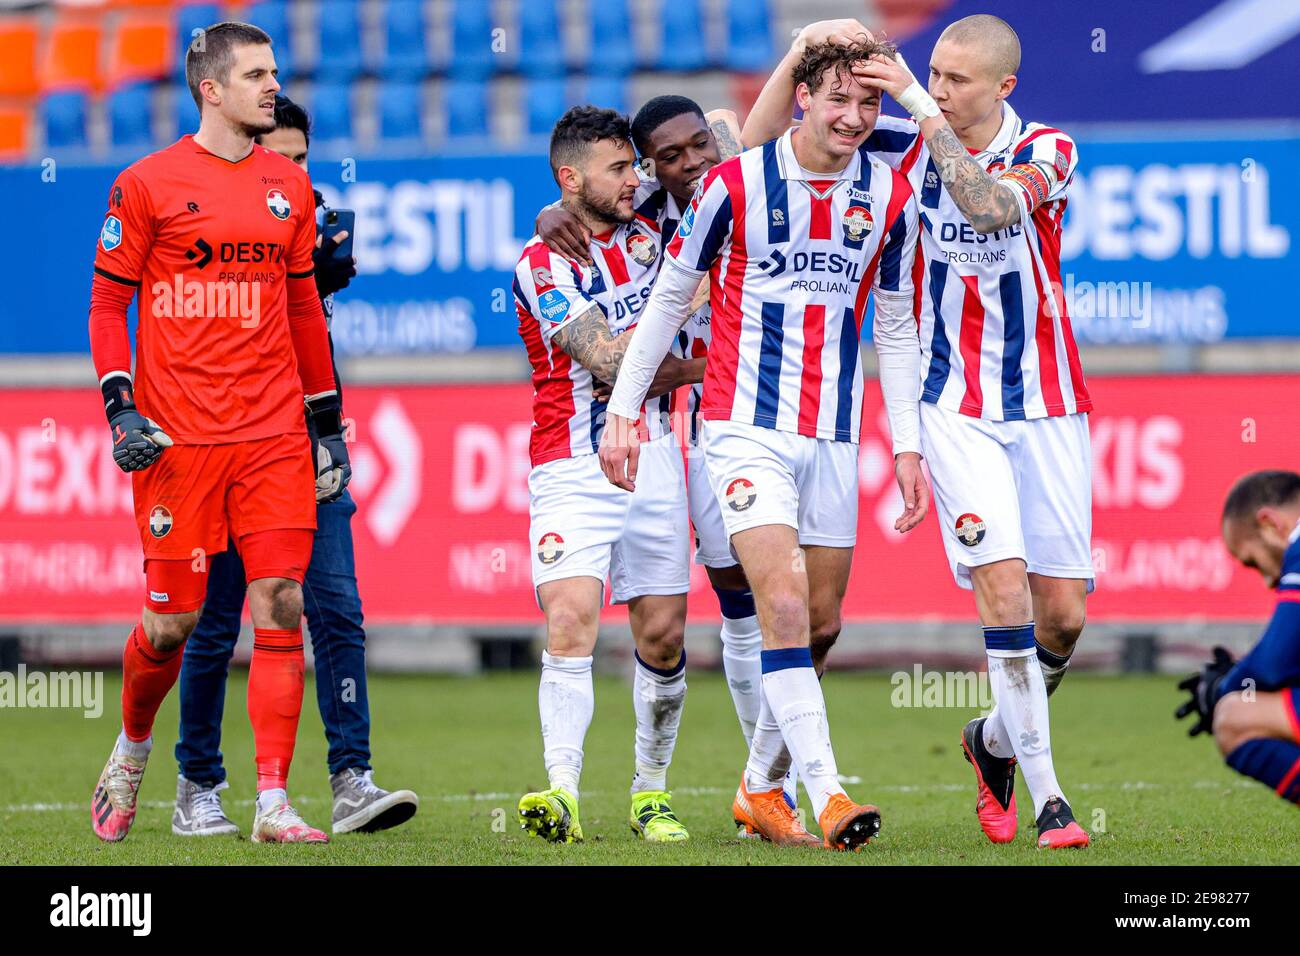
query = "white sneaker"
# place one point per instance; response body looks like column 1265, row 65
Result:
column 282, row 824
column 198, row 810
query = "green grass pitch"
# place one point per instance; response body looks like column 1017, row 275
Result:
column 470, row 746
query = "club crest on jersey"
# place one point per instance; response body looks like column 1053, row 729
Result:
column 641, row 248
column 550, row 548
column 857, row 222
column 160, row 521
column 970, row 529
column 278, row 203
column 110, row 236
column 740, row 494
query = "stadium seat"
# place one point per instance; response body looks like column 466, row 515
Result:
column 682, row 41
column 471, row 32
column 185, row 113
column 607, row 91
column 541, row 47
column 273, row 17
column 406, row 55
column 18, row 57
column 191, row 17
column 401, row 111
column 331, row 112
column 14, row 123
column 142, row 50
column 749, row 35
column 547, row 101
column 338, row 32
column 72, row 55
column 466, row 104
column 65, row 119
column 130, row 116
column 611, row 50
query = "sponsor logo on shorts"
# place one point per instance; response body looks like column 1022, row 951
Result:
column 278, row 203
column 110, row 236
column 857, row 222
column 159, row 596
column 550, row 548
column 160, row 521
column 970, row 529
column 642, row 248
column 740, row 494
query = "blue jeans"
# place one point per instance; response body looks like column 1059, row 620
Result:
column 333, row 608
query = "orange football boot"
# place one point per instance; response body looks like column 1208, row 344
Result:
column 765, row 815
column 847, row 825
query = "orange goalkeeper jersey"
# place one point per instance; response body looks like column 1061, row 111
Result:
column 210, row 244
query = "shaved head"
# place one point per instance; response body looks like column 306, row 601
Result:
column 997, row 44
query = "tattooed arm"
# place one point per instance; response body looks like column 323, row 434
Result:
column 987, row 204
column 726, row 130
column 588, row 341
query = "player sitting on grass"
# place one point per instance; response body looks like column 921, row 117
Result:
column 1251, row 705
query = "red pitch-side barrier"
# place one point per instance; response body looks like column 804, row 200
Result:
column 441, row 532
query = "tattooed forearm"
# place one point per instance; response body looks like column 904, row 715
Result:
column 728, row 144
column 588, row 340
column 986, row 204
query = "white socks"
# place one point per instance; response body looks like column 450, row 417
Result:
column 135, row 749
column 1021, row 698
column 793, row 699
column 566, row 701
column 271, row 798
column 1053, row 666
column 657, row 698
column 742, row 645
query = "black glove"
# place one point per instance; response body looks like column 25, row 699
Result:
column 332, row 273
column 329, row 452
column 137, row 441
column 1203, row 687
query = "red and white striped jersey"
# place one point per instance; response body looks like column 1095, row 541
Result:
column 995, row 331
column 551, row 290
column 791, row 257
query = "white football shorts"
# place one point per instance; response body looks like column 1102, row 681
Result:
column 1015, row 489
column 712, row 543
column 763, row 476
column 581, row 525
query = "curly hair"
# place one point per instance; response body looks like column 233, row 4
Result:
column 582, row 126
column 819, row 57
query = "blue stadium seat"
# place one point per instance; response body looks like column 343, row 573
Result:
column 749, row 35
column 65, row 119
column 331, row 112
column 191, row 17
column 273, row 17
column 466, row 104
column 471, row 33
column 682, row 47
column 607, row 91
column 400, row 110
column 541, row 51
column 547, row 101
column 185, row 113
column 129, row 113
column 338, row 32
column 406, row 57
column 612, row 52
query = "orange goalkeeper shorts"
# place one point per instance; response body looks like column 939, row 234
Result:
column 195, row 498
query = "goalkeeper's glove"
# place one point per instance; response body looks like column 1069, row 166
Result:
column 329, row 451
column 137, row 441
column 1203, row 686
column 331, row 272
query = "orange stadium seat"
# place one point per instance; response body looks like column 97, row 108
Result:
column 18, row 57
column 142, row 50
column 72, row 54
column 14, row 124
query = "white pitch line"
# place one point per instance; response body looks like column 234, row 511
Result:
column 681, row 791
